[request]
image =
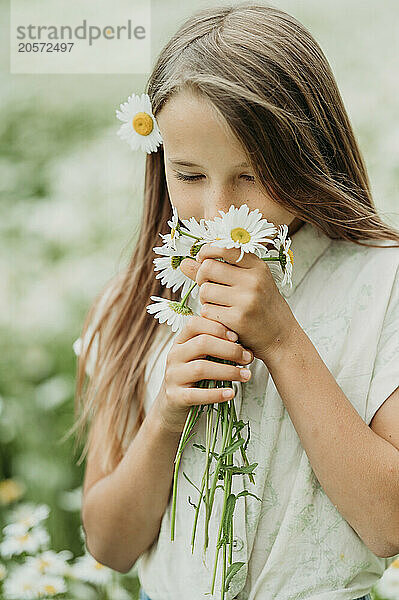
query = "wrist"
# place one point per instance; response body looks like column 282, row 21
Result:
column 288, row 341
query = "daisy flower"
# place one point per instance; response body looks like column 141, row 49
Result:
column 168, row 265
column 51, row 585
column 50, row 562
column 241, row 228
column 24, row 541
column 170, row 239
column 139, row 128
column 87, row 568
column 196, row 230
column 22, row 584
column 26, row 515
column 3, row 571
column 174, row 313
column 388, row 585
column 282, row 244
column 11, row 490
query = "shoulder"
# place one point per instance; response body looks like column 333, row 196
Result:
column 365, row 260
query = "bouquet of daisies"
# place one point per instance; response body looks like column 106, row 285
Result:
column 248, row 231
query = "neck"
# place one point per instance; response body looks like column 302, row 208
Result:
column 295, row 225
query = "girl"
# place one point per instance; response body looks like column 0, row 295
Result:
column 249, row 112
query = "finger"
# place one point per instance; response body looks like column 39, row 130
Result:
column 196, row 370
column 218, row 272
column 230, row 255
column 220, row 314
column 215, row 293
column 195, row 396
column 189, row 267
column 205, row 344
column 198, row 324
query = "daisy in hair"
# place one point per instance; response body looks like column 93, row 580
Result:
column 139, row 128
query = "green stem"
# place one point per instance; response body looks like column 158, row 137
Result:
column 227, row 488
column 204, row 480
column 243, row 453
column 191, row 420
column 188, row 293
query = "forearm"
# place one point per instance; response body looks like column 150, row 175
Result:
column 357, row 469
column 123, row 511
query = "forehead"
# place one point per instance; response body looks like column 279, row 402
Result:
column 191, row 128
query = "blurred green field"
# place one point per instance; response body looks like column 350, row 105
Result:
column 70, row 202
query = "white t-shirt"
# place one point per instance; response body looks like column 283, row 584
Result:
column 295, row 544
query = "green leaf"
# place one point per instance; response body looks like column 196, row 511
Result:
column 235, row 470
column 193, row 484
column 246, row 493
column 228, row 516
column 232, row 448
column 200, row 446
column 231, row 571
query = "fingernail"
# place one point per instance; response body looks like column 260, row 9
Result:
column 246, row 356
column 231, row 335
column 245, row 373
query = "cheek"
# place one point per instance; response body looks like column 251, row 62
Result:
column 187, row 202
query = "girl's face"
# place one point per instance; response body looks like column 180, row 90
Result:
column 205, row 165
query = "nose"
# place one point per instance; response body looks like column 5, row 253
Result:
column 219, row 198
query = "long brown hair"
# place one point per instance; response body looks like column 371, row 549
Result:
column 272, row 86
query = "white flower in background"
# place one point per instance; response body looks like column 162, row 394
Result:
column 78, row 347
column 170, row 239
column 239, row 228
column 50, row 562
column 22, row 584
column 51, row 585
column 388, row 586
column 87, row 568
column 172, row 312
column 26, row 515
column 71, row 500
column 168, row 265
column 21, row 540
column 139, row 128
column 3, row 571
column 116, row 592
column 282, row 244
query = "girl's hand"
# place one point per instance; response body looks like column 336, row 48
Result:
column 242, row 296
column 185, row 364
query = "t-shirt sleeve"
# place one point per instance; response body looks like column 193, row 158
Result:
column 81, row 344
column 385, row 377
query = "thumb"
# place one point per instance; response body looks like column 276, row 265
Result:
column 190, row 267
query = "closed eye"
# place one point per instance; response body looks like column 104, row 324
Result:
column 184, row 177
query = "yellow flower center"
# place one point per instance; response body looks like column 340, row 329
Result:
column 238, row 234
column 10, row 491
column 23, row 538
column 143, row 123
column 172, row 232
column 50, row 589
column 98, row 565
column 395, row 563
column 291, row 254
column 43, row 564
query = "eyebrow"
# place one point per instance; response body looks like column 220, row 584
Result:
column 186, row 163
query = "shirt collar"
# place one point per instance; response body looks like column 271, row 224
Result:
column 307, row 245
